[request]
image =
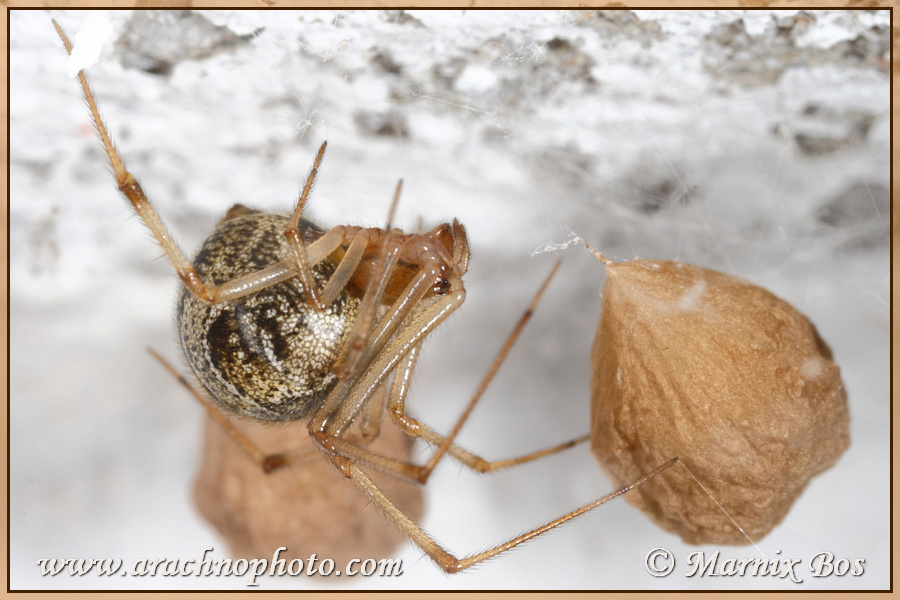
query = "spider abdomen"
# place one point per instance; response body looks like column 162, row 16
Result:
column 269, row 355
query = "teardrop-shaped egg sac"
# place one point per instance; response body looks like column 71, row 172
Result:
column 734, row 381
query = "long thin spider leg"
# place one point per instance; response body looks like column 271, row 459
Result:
column 337, row 411
column 414, row 472
column 129, row 186
column 375, row 355
column 346, row 267
column 343, row 403
column 492, row 370
column 268, row 462
column 403, row 369
column 295, row 241
column 393, row 320
column 350, row 356
column 287, row 268
column 369, row 418
column 438, row 554
column 253, row 282
column 415, row 428
column 321, row 299
column 131, row 189
column 402, row 309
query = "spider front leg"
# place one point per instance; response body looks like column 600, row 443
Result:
column 132, row 190
column 205, row 291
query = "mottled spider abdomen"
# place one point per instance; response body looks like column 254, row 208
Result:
column 268, row 355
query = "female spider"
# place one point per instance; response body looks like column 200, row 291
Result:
column 281, row 320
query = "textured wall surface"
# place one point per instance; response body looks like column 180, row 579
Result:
column 755, row 143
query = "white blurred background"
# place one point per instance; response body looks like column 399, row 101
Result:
column 755, row 143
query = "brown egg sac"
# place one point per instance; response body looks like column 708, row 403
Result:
column 307, row 507
column 734, row 381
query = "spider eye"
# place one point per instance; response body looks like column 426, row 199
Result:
column 441, row 286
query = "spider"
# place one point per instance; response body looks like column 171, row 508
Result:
column 282, row 321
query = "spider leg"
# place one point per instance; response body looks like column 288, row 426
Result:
column 129, row 186
column 369, row 419
column 492, row 370
column 415, row 428
column 295, row 240
column 388, row 256
column 415, row 473
column 267, row 462
column 131, row 189
column 397, row 410
column 444, row 559
column 385, row 350
column 334, row 238
column 337, row 411
column 344, row 271
column 362, row 338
